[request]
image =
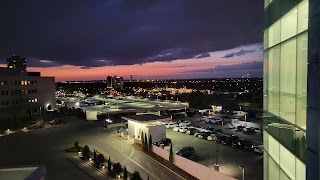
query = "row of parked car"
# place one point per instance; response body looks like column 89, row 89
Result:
column 185, row 151
column 213, row 134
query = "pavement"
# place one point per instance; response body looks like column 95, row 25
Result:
column 46, row 146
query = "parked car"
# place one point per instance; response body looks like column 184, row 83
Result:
column 240, row 127
column 258, row 148
column 186, row 151
column 192, row 131
column 164, row 141
column 176, row 128
column 204, row 135
column 211, row 137
column 184, row 123
column 171, row 125
column 249, row 130
column 57, row 121
column 219, row 138
column 183, row 129
column 228, row 140
column 214, row 130
column 232, row 125
column 242, row 144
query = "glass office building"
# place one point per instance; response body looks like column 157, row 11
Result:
column 291, row 89
column 285, row 89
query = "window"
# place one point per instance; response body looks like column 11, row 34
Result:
column 274, row 34
column 288, row 81
column 289, row 24
column 273, row 149
column 303, row 10
column 274, row 80
column 265, row 82
column 302, row 66
column 287, row 162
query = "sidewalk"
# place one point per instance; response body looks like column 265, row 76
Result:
column 90, row 171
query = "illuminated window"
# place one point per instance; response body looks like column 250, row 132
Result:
column 289, row 24
column 303, row 12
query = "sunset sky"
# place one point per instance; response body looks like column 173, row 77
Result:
column 162, row 39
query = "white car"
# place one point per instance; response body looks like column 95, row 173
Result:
column 185, row 123
column 176, row 128
column 203, row 118
column 211, row 137
column 258, row 149
column 171, row 125
column 183, row 129
column 233, row 125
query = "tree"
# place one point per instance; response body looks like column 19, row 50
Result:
column 86, row 151
column 109, row 164
column 136, row 176
column 171, row 155
column 117, row 168
column 94, row 155
column 100, row 159
column 141, row 137
column 125, row 173
column 150, row 143
column 76, row 145
column 145, row 147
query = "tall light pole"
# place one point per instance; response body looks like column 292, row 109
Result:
column 241, row 167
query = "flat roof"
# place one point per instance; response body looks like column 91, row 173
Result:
column 146, row 117
column 16, row 173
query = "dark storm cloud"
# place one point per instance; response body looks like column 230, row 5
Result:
column 239, row 53
column 81, row 32
column 235, row 67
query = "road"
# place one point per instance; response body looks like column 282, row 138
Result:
column 47, row 147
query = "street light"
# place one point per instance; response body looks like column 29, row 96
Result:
column 241, row 167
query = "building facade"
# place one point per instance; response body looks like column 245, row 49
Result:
column 287, row 90
column 17, row 62
column 24, row 94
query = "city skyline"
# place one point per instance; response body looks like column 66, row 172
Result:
column 180, row 39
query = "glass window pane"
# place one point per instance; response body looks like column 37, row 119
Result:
column 288, row 81
column 302, row 66
column 274, row 34
column 300, row 170
column 303, row 11
column 265, row 80
column 265, row 140
column 287, row 162
column 274, row 80
column 273, row 149
column 274, row 170
column 265, row 165
column 283, row 176
column 289, row 24
column 266, row 39
column 266, row 3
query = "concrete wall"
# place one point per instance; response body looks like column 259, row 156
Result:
column 195, row 169
column 91, row 115
column 157, row 132
column 46, row 92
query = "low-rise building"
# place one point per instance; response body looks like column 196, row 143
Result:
column 24, row 93
column 149, row 124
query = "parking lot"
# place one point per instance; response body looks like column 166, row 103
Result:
column 229, row 158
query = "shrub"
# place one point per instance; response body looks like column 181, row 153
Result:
column 171, row 155
column 136, row 176
column 109, row 164
column 125, row 173
column 117, row 168
column 94, row 155
column 86, row 151
column 100, row 159
column 150, row 143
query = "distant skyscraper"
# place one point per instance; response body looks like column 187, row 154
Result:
column 115, row 82
column 17, row 62
column 109, row 82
